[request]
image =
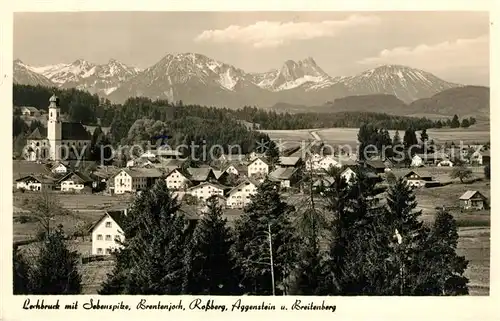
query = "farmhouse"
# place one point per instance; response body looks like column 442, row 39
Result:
column 60, row 140
column 445, row 163
column 473, row 200
column 59, row 168
column 285, row 175
column 205, row 190
column 176, row 180
column 417, row 178
column 289, row 161
column 323, row 182
column 258, row 167
column 134, row 179
column 107, row 231
column 376, row 166
column 417, row 161
column 29, row 111
column 200, row 175
column 348, row 174
column 239, row 196
column 35, row 182
column 75, row 182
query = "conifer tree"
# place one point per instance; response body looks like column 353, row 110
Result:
column 151, row 260
column 210, row 268
column 359, row 246
column 409, row 241
column 448, row 267
column 20, row 273
column 265, row 220
column 272, row 153
column 55, row 271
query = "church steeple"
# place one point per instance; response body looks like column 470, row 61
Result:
column 54, row 101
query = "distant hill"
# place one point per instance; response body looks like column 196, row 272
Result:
column 463, row 101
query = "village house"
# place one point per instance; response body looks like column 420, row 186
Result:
column 239, row 196
column 377, row 166
column 258, row 167
column 135, row 179
column 107, row 233
column 286, row 176
column 254, row 155
column 445, row 163
column 473, row 200
column 323, row 182
column 416, row 161
column 348, row 174
column 35, row 182
column 75, row 182
column 29, row 111
column 206, row 189
column 176, row 180
column 59, row 168
column 201, row 174
column 417, row 179
column 480, row 157
column 290, row 161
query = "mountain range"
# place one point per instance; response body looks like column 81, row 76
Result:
column 198, row 79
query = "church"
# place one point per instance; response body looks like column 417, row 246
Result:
column 60, row 141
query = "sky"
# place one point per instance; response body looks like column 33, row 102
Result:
column 452, row 45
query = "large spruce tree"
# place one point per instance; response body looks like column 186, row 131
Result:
column 209, row 266
column 265, row 220
column 410, row 271
column 55, row 271
column 155, row 237
column 448, row 267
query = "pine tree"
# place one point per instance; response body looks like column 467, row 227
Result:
column 465, row 123
column 265, row 220
column 272, row 153
column 155, row 236
column 455, row 123
column 359, row 242
column 20, row 273
column 448, row 267
column 55, row 270
column 409, row 241
column 210, row 268
column 423, row 136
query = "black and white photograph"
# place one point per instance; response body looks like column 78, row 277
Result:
column 250, row 153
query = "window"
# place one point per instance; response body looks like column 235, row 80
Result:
column 108, row 224
column 99, row 251
column 108, row 237
column 99, row 237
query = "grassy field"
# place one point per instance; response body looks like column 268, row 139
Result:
column 348, row 136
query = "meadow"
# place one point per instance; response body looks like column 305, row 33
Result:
column 349, row 136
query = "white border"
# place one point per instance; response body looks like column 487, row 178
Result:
column 350, row 308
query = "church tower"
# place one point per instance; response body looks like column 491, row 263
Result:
column 54, row 128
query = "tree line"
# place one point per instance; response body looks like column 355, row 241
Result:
column 83, row 107
column 343, row 241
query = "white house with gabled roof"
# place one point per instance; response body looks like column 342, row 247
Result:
column 107, row 233
column 176, row 180
column 258, row 167
column 204, row 190
column 239, row 196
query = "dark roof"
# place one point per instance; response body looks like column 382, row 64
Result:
column 117, row 216
column 74, row 131
column 38, row 133
column 378, row 164
column 282, row 173
column 69, row 131
column 78, row 177
column 31, row 108
column 44, row 179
